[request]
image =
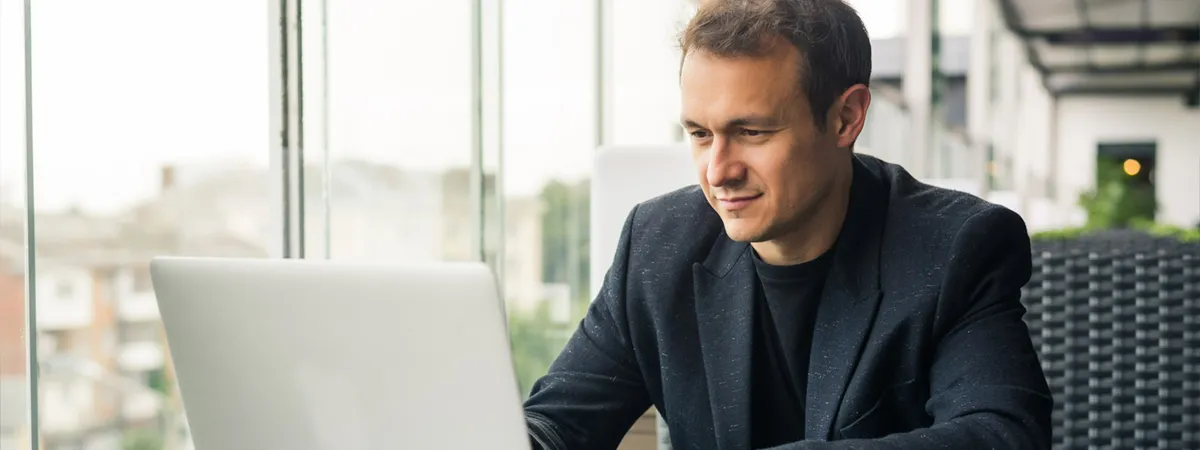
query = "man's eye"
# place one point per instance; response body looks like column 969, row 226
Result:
column 753, row 133
column 699, row 134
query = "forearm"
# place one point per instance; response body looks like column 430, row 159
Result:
column 976, row 431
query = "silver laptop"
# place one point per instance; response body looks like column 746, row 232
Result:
column 314, row 355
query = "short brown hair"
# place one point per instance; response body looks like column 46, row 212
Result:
column 835, row 52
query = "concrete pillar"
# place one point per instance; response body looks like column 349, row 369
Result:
column 1052, row 190
column 917, row 86
column 979, row 93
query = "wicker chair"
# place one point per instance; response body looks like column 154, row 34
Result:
column 1116, row 320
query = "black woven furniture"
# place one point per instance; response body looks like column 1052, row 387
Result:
column 1116, row 320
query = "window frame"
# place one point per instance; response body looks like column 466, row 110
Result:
column 285, row 136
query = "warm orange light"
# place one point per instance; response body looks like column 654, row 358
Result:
column 1132, row 167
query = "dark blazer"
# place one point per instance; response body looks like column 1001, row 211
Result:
column 919, row 341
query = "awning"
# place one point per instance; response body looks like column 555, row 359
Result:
column 1110, row 46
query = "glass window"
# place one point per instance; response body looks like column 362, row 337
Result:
column 150, row 133
column 14, row 386
column 388, row 110
column 643, row 84
column 549, row 133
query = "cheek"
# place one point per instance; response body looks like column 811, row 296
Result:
column 772, row 168
column 807, row 184
column 700, row 159
column 790, row 178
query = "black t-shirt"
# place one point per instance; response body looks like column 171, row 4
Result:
column 785, row 310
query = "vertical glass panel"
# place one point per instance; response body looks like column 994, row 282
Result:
column 644, row 83
column 491, row 129
column 399, row 130
column 549, row 135
column 150, row 132
column 14, row 385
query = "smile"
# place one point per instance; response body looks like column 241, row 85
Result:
column 737, row 203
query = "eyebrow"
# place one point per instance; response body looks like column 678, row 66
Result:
column 740, row 122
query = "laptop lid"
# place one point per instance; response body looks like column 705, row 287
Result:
column 316, row 355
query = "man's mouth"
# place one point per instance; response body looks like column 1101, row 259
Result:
column 737, row 202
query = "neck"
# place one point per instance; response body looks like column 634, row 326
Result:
column 816, row 233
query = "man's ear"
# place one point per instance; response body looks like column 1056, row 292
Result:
column 850, row 113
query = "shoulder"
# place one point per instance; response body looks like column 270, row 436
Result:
column 676, row 227
column 920, row 215
column 941, row 244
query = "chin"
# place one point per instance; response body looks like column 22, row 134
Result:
column 741, row 232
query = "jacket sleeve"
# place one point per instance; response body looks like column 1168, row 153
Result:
column 987, row 387
column 594, row 391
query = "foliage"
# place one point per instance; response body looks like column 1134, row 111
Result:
column 157, row 380
column 1164, row 230
column 537, row 339
column 535, row 334
column 142, row 439
column 1148, row 227
column 1115, row 202
column 1118, row 204
column 565, row 235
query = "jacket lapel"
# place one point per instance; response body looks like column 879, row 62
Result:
column 725, row 289
column 848, row 305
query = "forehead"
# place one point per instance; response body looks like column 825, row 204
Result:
column 717, row 87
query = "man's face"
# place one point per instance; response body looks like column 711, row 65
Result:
column 761, row 160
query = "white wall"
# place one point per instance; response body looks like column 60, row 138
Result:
column 1085, row 122
column 1009, row 59
column 1011, row 111
column 655, row 170
column 1031, row 159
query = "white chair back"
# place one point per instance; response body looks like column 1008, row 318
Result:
column 622, row 178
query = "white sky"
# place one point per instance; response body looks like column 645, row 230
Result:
column 123, row 87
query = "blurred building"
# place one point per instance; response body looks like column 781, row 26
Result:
column 1025, row 103
column 1062, row 89
column 376, row 213
column 13, row 389
column 103, row 356
column 1022, row 102
column 98, row 325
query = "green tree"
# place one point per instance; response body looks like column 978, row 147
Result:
column 536, row 340
column 565, row 235
column 536, row 337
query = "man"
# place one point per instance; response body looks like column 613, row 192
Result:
column 802, row 297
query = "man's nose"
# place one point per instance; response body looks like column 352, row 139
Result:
column 724, row 167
